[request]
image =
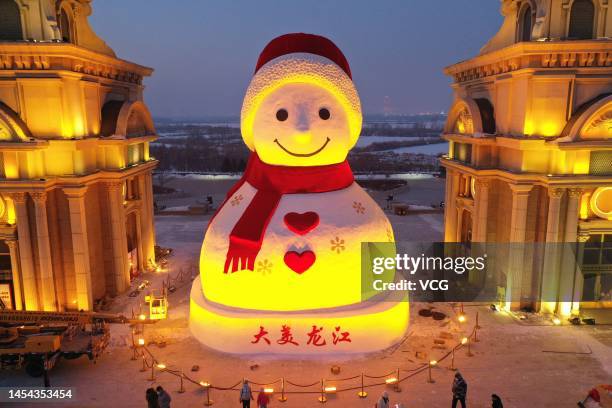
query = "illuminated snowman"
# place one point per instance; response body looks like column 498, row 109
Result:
column 284, row 249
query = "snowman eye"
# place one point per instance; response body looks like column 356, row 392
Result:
column 324, row 114
column 282, row 115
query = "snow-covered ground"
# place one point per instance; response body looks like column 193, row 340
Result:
column 528, row 365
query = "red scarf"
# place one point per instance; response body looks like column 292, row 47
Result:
column 271, row 183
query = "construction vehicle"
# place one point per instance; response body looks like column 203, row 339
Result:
column 37, row 340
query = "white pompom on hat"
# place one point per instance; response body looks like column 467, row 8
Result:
column 301, row 58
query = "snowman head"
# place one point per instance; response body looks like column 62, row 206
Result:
column 301, row 107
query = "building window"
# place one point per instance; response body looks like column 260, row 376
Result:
column 526, row 24
column 462, row 152
column 65, row 26
column 10, row 21
column 598, row 250
column 597, row 268
column 582, row 16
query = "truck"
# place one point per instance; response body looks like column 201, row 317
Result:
column 37, row 340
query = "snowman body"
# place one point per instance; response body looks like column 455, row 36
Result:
column 298, row 287
column 310, row 256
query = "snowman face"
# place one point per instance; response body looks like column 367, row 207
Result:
column 301, row 124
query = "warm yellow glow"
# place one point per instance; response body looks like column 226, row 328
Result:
column 303, row 138
column 391, row 380
column 330, row 389
column 433, row 363
column 549, row 128
column 584, row 206
column 556, row 321
column 269, row 390
column 11, row 216
column 141, row 341
column 325, row 285
column 142, row 317
column 460, row 127
column 161, row 366
column 582, row 162
column 389, row 318
column 541, row 128
column 11, row 171
column 205, row 384
column 464, row 340
column 601, row 202
column 354, row 120
column 565, row 308
column 461, row 318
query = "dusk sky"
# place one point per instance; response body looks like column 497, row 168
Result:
column 204, row 52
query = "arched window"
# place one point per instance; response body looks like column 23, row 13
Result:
column 582, row 17
column 526, row 20
column 10, row 21
column 65, row 26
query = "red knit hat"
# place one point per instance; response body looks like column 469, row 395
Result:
column 301, row 58
column 307, row 43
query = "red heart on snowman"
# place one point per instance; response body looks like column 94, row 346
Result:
column 300, row 262
column 301, row 223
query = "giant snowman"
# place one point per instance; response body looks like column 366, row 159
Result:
column 280, row 267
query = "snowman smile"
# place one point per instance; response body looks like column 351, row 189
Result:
column 302, row 154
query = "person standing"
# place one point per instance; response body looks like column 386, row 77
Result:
column 497, row 402
column 246, row 395
column 459, row 390
column 262, row 399
column 383, row 402
column 163, row 397
column 152, row 399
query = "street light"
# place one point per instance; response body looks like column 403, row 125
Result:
column 432, row 363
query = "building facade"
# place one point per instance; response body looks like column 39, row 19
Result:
column 530, row 152
column 76, row 202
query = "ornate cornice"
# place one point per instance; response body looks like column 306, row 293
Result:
column 555, row 192
column 68, row 57
column 19, row 198
column 574, row 192
column 534, row 55
column 39, row 197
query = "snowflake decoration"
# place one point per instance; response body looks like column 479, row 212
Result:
column 337, row 245
column 359, row 208
column 236, row 200
column 264, row 267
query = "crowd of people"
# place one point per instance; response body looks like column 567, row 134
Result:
column 159, row 398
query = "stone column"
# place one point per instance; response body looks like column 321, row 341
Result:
column 459, row 210
column 80, row 246
column 117, row 219
column 550, row 274
column 450, row 208
column 568, row 260
column 579, row 276
column 45, row 265
column 146, row 218
column 12, row 245
column 30, row 290
column 518, row 228
column 481, row 209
